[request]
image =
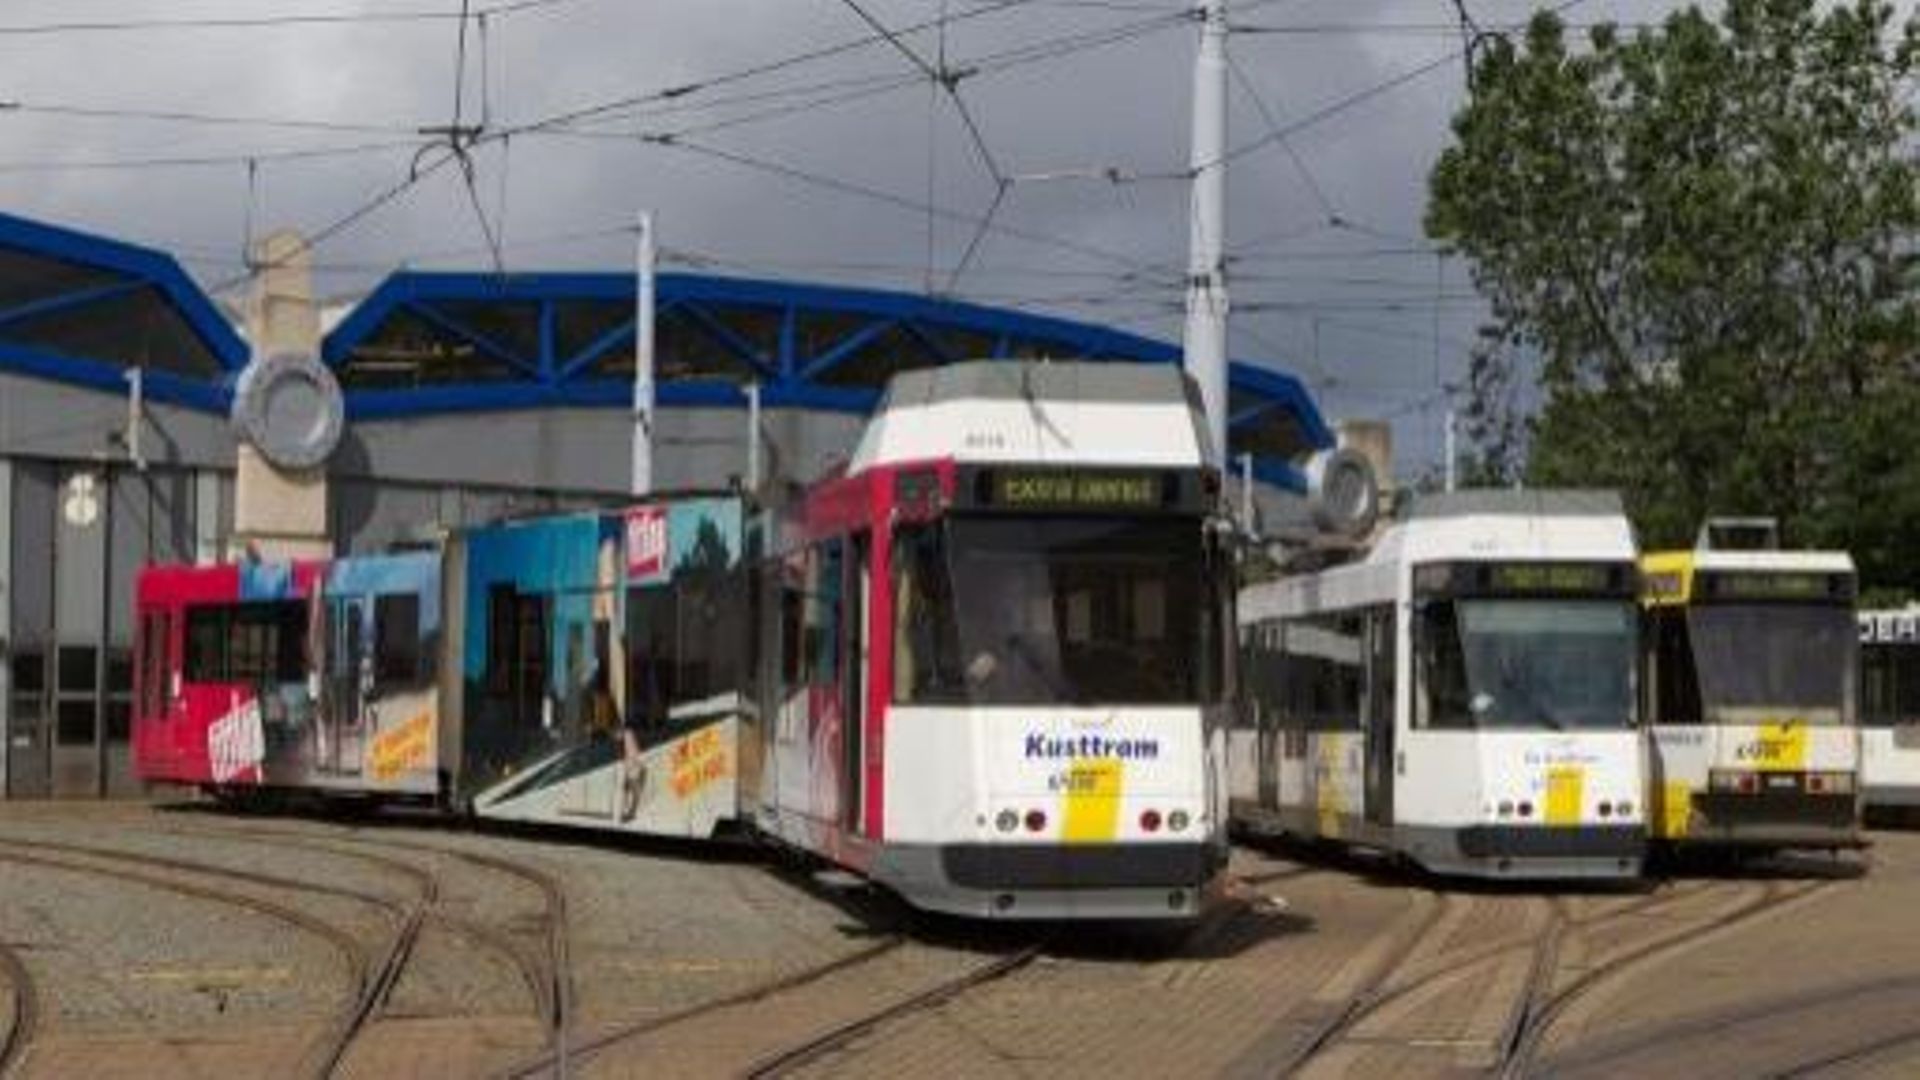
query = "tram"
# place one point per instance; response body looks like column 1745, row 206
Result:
column 998, row 680
column 1890, row 708
column 584, row 669
column 1460, row 695
column 1750, row 693
column 984, row 664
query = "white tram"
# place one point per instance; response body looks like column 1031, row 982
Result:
column 998, row 684
column 1461, row 695
column 1890, row 707
column 1750, row 693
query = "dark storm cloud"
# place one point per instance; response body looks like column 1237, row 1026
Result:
column 1361, row 329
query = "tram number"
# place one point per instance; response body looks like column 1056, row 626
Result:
column 1074, row 782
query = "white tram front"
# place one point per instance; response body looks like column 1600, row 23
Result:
column 1001, row 683
column 1461, row 695
column 1890, row 707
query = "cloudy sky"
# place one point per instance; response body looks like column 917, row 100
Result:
column 784, row 138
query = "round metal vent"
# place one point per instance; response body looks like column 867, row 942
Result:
column 1342, row 490
column 289, row 407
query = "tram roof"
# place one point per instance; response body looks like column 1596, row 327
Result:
column 83, row 309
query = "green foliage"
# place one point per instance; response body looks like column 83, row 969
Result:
column 1700, row 237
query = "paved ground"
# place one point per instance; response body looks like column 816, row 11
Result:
column 151, row 942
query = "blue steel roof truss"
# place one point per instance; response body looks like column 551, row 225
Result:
column 790, row 374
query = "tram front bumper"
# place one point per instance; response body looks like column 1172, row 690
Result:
column 1532, row 852
column 1054, row 881
column 1775, row 819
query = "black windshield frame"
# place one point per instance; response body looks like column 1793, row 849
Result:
column 1120, row 610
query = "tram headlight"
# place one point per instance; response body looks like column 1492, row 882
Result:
column 1624, row 807
column 1006, row 821
column 1506, row 808
column 1178, row 821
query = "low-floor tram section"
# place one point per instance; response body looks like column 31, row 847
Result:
column 1750, row 694
column 1460, row 693
column 1890, row 707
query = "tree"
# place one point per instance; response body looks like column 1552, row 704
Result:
column 1699, row 237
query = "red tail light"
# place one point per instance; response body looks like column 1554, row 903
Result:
column 1036, row 820
column 1150, row 821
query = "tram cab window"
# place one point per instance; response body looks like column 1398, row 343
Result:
column 926, row 639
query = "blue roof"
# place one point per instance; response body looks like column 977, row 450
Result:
column 437, row 342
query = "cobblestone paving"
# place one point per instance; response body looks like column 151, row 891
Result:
column 701, row 960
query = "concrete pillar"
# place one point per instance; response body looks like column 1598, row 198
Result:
column 281, row 513
column 207, row 526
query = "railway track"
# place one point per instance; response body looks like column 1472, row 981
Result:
column 361, row 965
column 1541, row 1001
column 840, row 1035
column 24, row 1013
column 1546, row 1003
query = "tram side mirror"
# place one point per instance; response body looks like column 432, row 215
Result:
column 1343, row 495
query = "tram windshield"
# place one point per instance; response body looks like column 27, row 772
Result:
column 1030, row 610
column 1528, row 663
column 1797, row 656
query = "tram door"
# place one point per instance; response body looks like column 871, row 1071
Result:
column 854, row 658
column 339, row 723
column 1379, row 770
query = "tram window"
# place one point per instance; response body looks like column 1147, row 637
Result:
column 1676, row 683
column 266, row 640
column 792, row 621
column 1381, row 663
column 206, row 644
column 1324, row 672
column 926, row 640
column 821, row 629
column 1443, row 700
column 507, row 622
column 396, row 634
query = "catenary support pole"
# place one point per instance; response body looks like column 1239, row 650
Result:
column 1206, row 330
column 753, row 437
column 1452, row 453
column 643, row 359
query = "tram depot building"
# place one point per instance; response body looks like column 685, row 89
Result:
column 468, row 397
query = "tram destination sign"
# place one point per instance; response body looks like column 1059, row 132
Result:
column 1779, row 585
column 1525, row 578
column 1023, row 488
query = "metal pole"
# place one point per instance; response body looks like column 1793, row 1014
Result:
column 1206, row 331
column 643, row 360
column 753, row 437
column 1452, row 454
column 1246, row 492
